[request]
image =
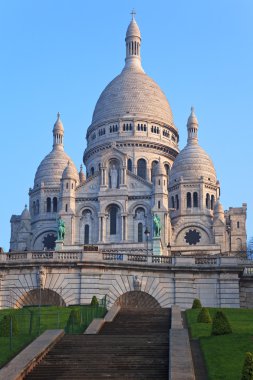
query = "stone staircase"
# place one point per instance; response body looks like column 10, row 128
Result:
column 134, row 346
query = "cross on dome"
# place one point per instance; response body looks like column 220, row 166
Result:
column 133, row 13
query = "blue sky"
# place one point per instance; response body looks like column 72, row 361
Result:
column 59, row 56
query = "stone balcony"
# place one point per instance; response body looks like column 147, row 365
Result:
column 106, row 258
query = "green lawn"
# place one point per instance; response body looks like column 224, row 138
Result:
column 32, row 321
column 224, row 355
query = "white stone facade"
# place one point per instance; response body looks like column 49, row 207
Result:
column 134, row 171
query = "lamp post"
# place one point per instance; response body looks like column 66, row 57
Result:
column 147, row 233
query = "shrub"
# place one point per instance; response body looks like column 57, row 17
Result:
column 5, row 325
column 221, row 325
column 73, row 320
column 204, row 316
column 196, row 304
column 247, row 371
column 94, row 301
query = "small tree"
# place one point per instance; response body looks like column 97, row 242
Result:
column 8, row 323
column 196, row 304
column 94, row 301
column 204, row 316
column 221, row 325
column 73, row 320
column 247, row 371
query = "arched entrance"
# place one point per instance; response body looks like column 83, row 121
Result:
column 40, row 297
column 137, row 300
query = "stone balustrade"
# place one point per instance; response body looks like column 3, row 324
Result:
column 129, row 257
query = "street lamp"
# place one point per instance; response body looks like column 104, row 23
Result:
column 147, row 233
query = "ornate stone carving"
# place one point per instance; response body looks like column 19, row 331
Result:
column 137, row 282
column 41, row 277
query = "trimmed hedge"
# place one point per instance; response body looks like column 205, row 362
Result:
column 5, row 325
column 204, row 316
column 196, row 304
column 73, row 320
column 247, row 371
column 94, row 301
column 221, row 325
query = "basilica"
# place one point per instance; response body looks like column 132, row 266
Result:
column 135, row 174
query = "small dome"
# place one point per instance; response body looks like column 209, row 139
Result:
column 218, row 209
column 51, row 168
column 192, row 119
column 159, row 169
column 133, row 29
column 192, row 163
column 25, row 214
column 82, row 177
column 70, row 172
column 58, row 126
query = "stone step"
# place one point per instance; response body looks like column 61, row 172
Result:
column 134, row 346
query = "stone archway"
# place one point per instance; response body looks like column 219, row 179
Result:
column 42, row 297
column 137, row 300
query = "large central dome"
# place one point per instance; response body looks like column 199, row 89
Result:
column 132, row 93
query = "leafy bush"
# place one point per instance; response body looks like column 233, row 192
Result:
column 5, row 325
column 73, row 320
column 196, row 304
column 94, row 301
column 204, row 316
column 221, row 325
column 247, row 371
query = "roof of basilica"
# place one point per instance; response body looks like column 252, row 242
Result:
column 132, row 93
column 53, row 165
column 192, row 162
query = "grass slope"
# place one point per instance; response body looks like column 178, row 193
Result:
column 32, row 322
column 225, row 354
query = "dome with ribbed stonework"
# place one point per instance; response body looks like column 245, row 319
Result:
column 132, row 93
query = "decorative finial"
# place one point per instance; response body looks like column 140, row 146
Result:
column 81, row 168
column 133, row 13
column 58, row 115
column 192, row 109
column 25, row 206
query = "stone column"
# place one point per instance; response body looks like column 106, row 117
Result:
column 124, row 227
column 202, row 200
column 101, row 229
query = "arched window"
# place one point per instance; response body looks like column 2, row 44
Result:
column 140, row 213
column 67, row 185
column 34, row 208
column 129, row 165
column 140, row 232
column 195, row 200
column 167, row 168
column 238, row 224
column 172, row 202
column 48, row 204
column 153, row 165
column 92, row 171
column 208, row 200
column 212, row 202
column 37, row 206
column 113, row 219
column 142, row 168
column 86, row 234
column 189, row 200
column 54, row 204
column 159, row 204
column 177, row 202
column 66, row 207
